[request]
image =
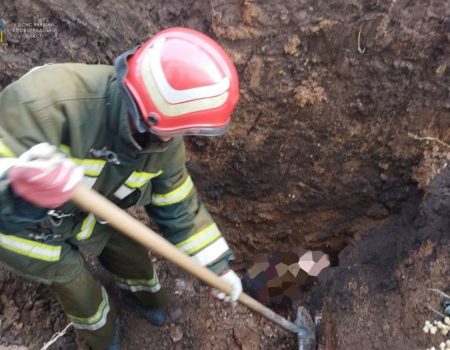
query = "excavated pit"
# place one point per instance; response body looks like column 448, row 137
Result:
column 340, row 142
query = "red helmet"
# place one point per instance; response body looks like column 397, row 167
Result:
column 182, row 83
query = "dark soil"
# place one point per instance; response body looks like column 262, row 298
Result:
column 327, row 151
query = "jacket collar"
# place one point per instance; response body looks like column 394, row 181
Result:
column 121, row 67
column 119, row 124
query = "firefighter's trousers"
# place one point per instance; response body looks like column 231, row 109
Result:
column 60, row 265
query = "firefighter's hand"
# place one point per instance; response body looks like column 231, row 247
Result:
column 230, row 277
column 44, row 176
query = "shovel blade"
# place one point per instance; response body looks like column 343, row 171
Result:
column 307, row 335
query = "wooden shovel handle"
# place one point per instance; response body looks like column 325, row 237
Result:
column 103, row 209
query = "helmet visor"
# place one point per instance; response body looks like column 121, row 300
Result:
column 198, row 131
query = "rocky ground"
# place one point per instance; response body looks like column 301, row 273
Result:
column 340, row 143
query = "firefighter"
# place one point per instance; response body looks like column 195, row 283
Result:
column 118, row 130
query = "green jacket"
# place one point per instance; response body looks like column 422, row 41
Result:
column 80, row 109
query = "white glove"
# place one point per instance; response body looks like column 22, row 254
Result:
column 44, row 176
column 232, row 279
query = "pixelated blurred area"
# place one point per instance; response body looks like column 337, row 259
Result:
column 279, row 278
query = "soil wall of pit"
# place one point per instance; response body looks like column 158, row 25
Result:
column 319, row 149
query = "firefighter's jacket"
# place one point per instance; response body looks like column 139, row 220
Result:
column 79, row 108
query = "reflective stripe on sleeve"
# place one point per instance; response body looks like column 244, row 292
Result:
column 29, row 248
column 87, row 227
column 139, row 179
column 199, row 240
column 123, row 191
column 212, row 252
column 88, row 181
column 175, row 196
column 5, row 151
column 139, row 285
column 96, row 321
column 136, row 180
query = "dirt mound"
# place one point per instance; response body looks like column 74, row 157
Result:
column 341, row 128
column 381, row 288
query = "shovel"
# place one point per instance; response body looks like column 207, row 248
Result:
column 103, row 209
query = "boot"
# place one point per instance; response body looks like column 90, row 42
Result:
column 115, row 345
column 155, row 315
